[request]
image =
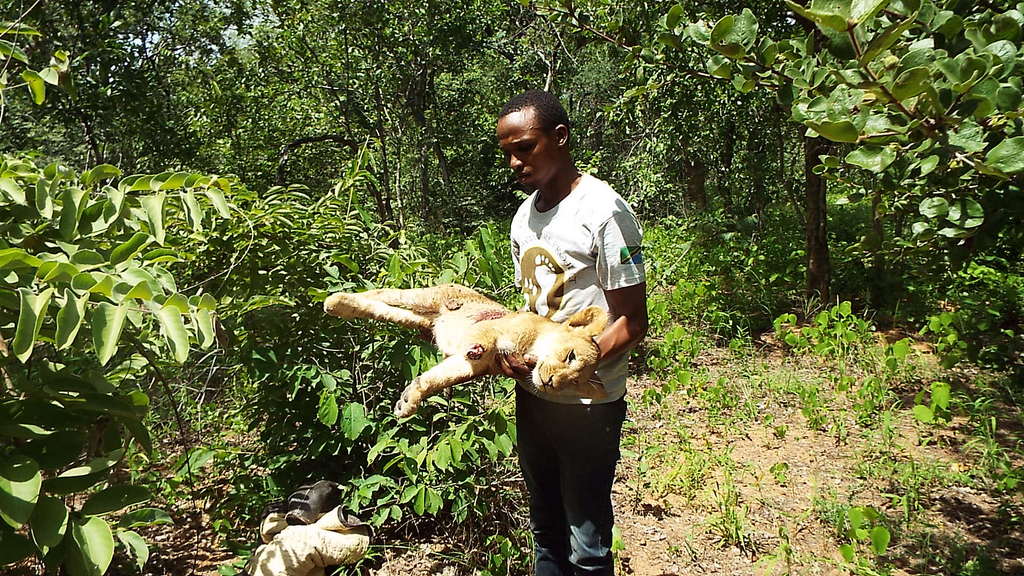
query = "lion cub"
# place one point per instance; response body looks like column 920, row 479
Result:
column 471, row 330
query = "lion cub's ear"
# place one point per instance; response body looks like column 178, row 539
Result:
column 591, row 321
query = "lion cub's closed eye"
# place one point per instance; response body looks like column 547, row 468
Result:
column 472, row 330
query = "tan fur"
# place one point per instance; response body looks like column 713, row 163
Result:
column 471, row 330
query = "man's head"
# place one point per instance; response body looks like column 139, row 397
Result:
column 533, row 132
column 549, row 110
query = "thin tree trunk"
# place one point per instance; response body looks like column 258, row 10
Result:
column 819, row 268
column 878, row 265
column 728, row 143
column 383, row 197
column 696, row 184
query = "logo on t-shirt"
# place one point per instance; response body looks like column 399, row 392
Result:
column 543, row 276
column 632, row 254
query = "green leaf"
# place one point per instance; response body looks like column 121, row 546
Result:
column 175, row 181
column 161, row 255
column 144, row 517
column 923, row 413
column 934, row 207
column 719, row 66
column 136, row 547
column 824, row 14
column 675, row 13
column 734, row 35
column 114, row 498
column 855, row 516
column 354, row 420
column 50, row 75
column 207, row 302
column 107, row 322
column 861, row 10
column 129, row 248
column 87, row 259
column 928, row 165
column 699, row 32
column 847, row 552
column 1007, row 156
column 25, row 431
column 143, row 290
column 70, row 317
column 192, row 210
column 14, row 191
column 82, row 477
column 901, row 348
column 969, row 136
column 92, row 547
column 219, row 203
column 154, row 208
column 15, row 28
column 179, row 302
column 841, row 131
column 203, row 321
column 36, row 85
column 31, row 313
column 49, row 522
column 19, row 489
column 966, row 213
column 327, row 413
column 14, row 547
column 940, row 395
column 100, row 173
column 17, row 258
column 73, row 202
column 873, row 158
column 443, row 456
column 419, row 505
column 1008, row 97
column 879, row 539
column 911, row 83
column 44, row 198
column 174, row 331
column 9, row 50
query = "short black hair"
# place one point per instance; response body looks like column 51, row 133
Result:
column 549, row 109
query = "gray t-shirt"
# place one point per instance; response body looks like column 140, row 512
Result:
column 565, row 258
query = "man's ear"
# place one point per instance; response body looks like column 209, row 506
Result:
column 591, row 321
column 562, row 134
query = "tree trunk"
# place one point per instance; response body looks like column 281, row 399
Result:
column 696, row 184
column 879, row 283
column 728, row 143
column 382, row 197
column 819, row 268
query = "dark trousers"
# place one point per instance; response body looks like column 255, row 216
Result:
column 568, row 454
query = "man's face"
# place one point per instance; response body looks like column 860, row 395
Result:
column 534, row 154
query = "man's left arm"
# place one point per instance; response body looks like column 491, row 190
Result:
column 627, row 309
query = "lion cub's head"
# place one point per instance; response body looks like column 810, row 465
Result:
column 567, row 353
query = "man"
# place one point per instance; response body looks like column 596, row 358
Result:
column 575, row 243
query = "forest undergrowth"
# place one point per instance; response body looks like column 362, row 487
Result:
column 849, row 451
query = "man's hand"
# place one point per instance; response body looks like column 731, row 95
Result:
column 514, row 366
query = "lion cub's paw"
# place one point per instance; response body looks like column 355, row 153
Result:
column 475, row 352
column 405, row 406
column 340, row 305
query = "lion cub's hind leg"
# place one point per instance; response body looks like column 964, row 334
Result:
column 391, row 305
column 450, row 371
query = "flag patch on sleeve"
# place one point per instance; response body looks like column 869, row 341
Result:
column 632, row 254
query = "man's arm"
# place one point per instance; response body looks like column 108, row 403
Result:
column 627, row 308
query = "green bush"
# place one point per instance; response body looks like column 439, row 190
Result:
column 90, row 315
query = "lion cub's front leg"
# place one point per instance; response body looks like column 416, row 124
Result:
column 450, row 371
